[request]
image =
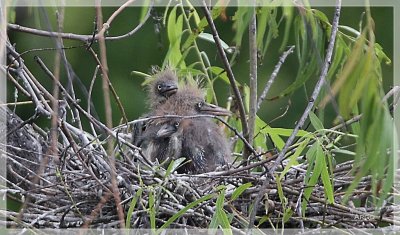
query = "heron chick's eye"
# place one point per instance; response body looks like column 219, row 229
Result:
column 159, row 87
column 200, row 104
column 176, row 124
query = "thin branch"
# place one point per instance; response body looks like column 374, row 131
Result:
column 107, row 24
column 104, row 72
column 253, row 79
column 54, row 104
column 28, row 84
column 228, row 69
column 107, row 104
column 15, row 27
column 113, row 91
column 317, row 88
column 273, row 76
column 310, row 105
column 80, row 37
column 90, row 101
column 133, row 31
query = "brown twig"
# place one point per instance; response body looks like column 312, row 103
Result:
column 79, row 37
column 54, row 104
column 253, row 54
column 113, row 91
column 274, row 74
column 228, row 70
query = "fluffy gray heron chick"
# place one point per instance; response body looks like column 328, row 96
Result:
column 163, row 85
column 172, row 138
column 204, row 144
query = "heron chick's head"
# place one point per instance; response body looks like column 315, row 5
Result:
column 164, row 84
column 189, row 100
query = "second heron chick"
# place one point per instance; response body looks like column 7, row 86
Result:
column 204, row 145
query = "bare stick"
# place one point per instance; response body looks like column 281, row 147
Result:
column 107, row 104
column 90, row 100
column 228, row 69
column 54, row 104
column 303, row 118
column 45, row 33
column 273, row 76
column 253, row 79
column 113, row 91
column 29, row 86
column 80, row 37
column 104, row 71
column 107, row 24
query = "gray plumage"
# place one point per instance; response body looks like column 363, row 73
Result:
column 199, row 139
column 204, row 144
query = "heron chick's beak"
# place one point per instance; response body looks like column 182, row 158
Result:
column 167, row 130
column 168, row 89
column 211, row 109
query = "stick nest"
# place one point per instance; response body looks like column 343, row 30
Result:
column 76, row 190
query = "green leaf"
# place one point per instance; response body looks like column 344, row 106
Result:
column 214, row 222
column 246, row 99
column 282, row 198
column 278, row 141
column 273, row 30
column 284, row 131
column 263, row 15
column 239, row 190
column 293, row 158
column 222, row 218
column 288, row 15
column 328, row 188
column 381, row 54
column 209, row 38
column 173, row 165
column 193, row 12
column 11, row 15
column 221, row 74
column 317, row 124
column 263, row 219
column 215, row 12
column 311, row 176
column 241, row 21
column 260, row 138
column 287, row 215
column 132, row 207
column 174, row 32
column 152, row 209
column 183, row 210
column 344, row 151
column 309, row 54
column 189, row 71
column 143, row 75
column 144, row 10
column 320, row 16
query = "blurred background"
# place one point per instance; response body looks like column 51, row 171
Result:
column 149, row 46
